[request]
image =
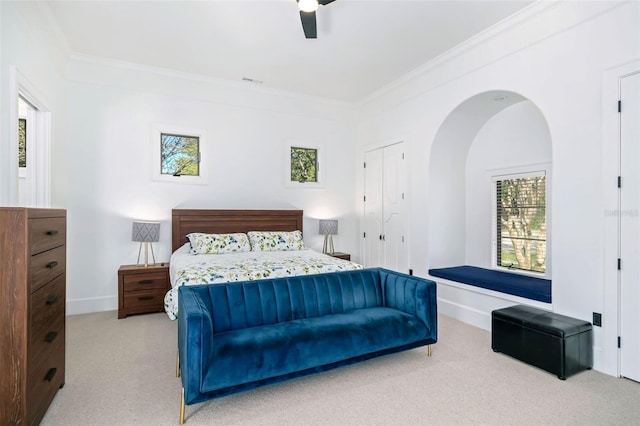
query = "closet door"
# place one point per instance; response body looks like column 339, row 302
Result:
column 393, row 208
column 385, row 238
column 373, row 245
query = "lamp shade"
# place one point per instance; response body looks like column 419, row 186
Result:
column 146, row 232
column 328, row 227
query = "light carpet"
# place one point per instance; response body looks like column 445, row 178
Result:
column 122, row 372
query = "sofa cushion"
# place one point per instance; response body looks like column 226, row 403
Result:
column 268, row 351
column 254, row 303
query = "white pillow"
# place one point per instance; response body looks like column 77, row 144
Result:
column 276, row 240
column 218, row 243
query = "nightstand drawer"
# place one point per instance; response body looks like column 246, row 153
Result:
column 46, row 233
column 142, row 299
column 46, row 266
column 144, row 282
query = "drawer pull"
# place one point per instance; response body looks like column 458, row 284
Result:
column 50, row 374
column 52, row 264
column 145, row 298
column 51, row 336
column 145, row 282
column 52, row 299
column 52, row 232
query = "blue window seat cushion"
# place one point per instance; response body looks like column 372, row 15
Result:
column 504, row 282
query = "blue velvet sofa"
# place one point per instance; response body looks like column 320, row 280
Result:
column 238, row 336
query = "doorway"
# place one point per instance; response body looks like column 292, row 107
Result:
column 29, row 177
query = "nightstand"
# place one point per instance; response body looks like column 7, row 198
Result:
column 340, row 255
column 141, row 289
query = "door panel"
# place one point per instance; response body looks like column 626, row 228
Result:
column 394, row 194
column 373, row 208
column 630, row 227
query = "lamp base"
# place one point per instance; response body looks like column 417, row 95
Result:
column 146, row 254
column 327, row 248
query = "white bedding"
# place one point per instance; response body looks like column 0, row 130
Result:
column 189, row 269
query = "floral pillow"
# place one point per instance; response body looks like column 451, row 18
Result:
column 218, row 243
column 276, row 241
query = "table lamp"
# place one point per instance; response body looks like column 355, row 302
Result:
column 147, row 233
column 328, row 228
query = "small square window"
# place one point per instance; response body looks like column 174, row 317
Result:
column 179, row 155
column 304, row 164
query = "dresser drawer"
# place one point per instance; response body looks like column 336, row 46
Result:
column 144, row 299
column 48, row 303
column 43, row 382
column 46, row 266
column 46, row 233
column 145, row 282
column 43, row 343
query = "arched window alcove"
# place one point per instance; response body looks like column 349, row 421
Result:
column 491, row 134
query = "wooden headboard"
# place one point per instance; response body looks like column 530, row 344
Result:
column 185, row 221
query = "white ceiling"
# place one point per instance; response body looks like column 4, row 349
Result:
column 362, row 45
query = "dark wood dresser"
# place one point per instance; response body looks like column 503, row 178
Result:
column 32, row 311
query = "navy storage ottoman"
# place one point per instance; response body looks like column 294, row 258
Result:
column 559, row 344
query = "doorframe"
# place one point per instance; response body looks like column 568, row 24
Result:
column 606, row 351
column 19, row 85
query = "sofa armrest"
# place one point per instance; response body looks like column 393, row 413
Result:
column 195, row 333
column 413, row 295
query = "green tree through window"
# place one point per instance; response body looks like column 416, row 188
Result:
column 304, row 164
column 521, row 223
column 179, row 155
column 22, row 142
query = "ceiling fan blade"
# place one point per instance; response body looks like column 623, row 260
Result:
column 309, row 24
column 325, row 2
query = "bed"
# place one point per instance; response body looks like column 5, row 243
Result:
column 187, row 268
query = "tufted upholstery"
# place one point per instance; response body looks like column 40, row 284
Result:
column 238, row 336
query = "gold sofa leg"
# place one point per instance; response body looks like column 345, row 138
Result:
column 182, row 408
column 177, row 364
column 428, row 350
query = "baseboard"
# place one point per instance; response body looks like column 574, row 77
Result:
column 465, row 314
column 94, row 304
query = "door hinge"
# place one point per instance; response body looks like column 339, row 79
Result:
column 403, row 155
column 364, row 235
column 619, row 106
column 619, row 342
column 619, row 264
column 365, row 164
column 619, row 181
column 403, row 238
column 403, row 195
column 364, row 198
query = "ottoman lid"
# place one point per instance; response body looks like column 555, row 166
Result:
column 544, row 321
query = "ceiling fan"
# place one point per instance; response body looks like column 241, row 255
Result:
column 308, row 15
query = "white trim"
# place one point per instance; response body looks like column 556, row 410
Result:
column 611, row 208
column 321, row 166
column 205, row 159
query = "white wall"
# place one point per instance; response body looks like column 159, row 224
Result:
column 554, row 54
column 113, row 109
column 515, row 137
